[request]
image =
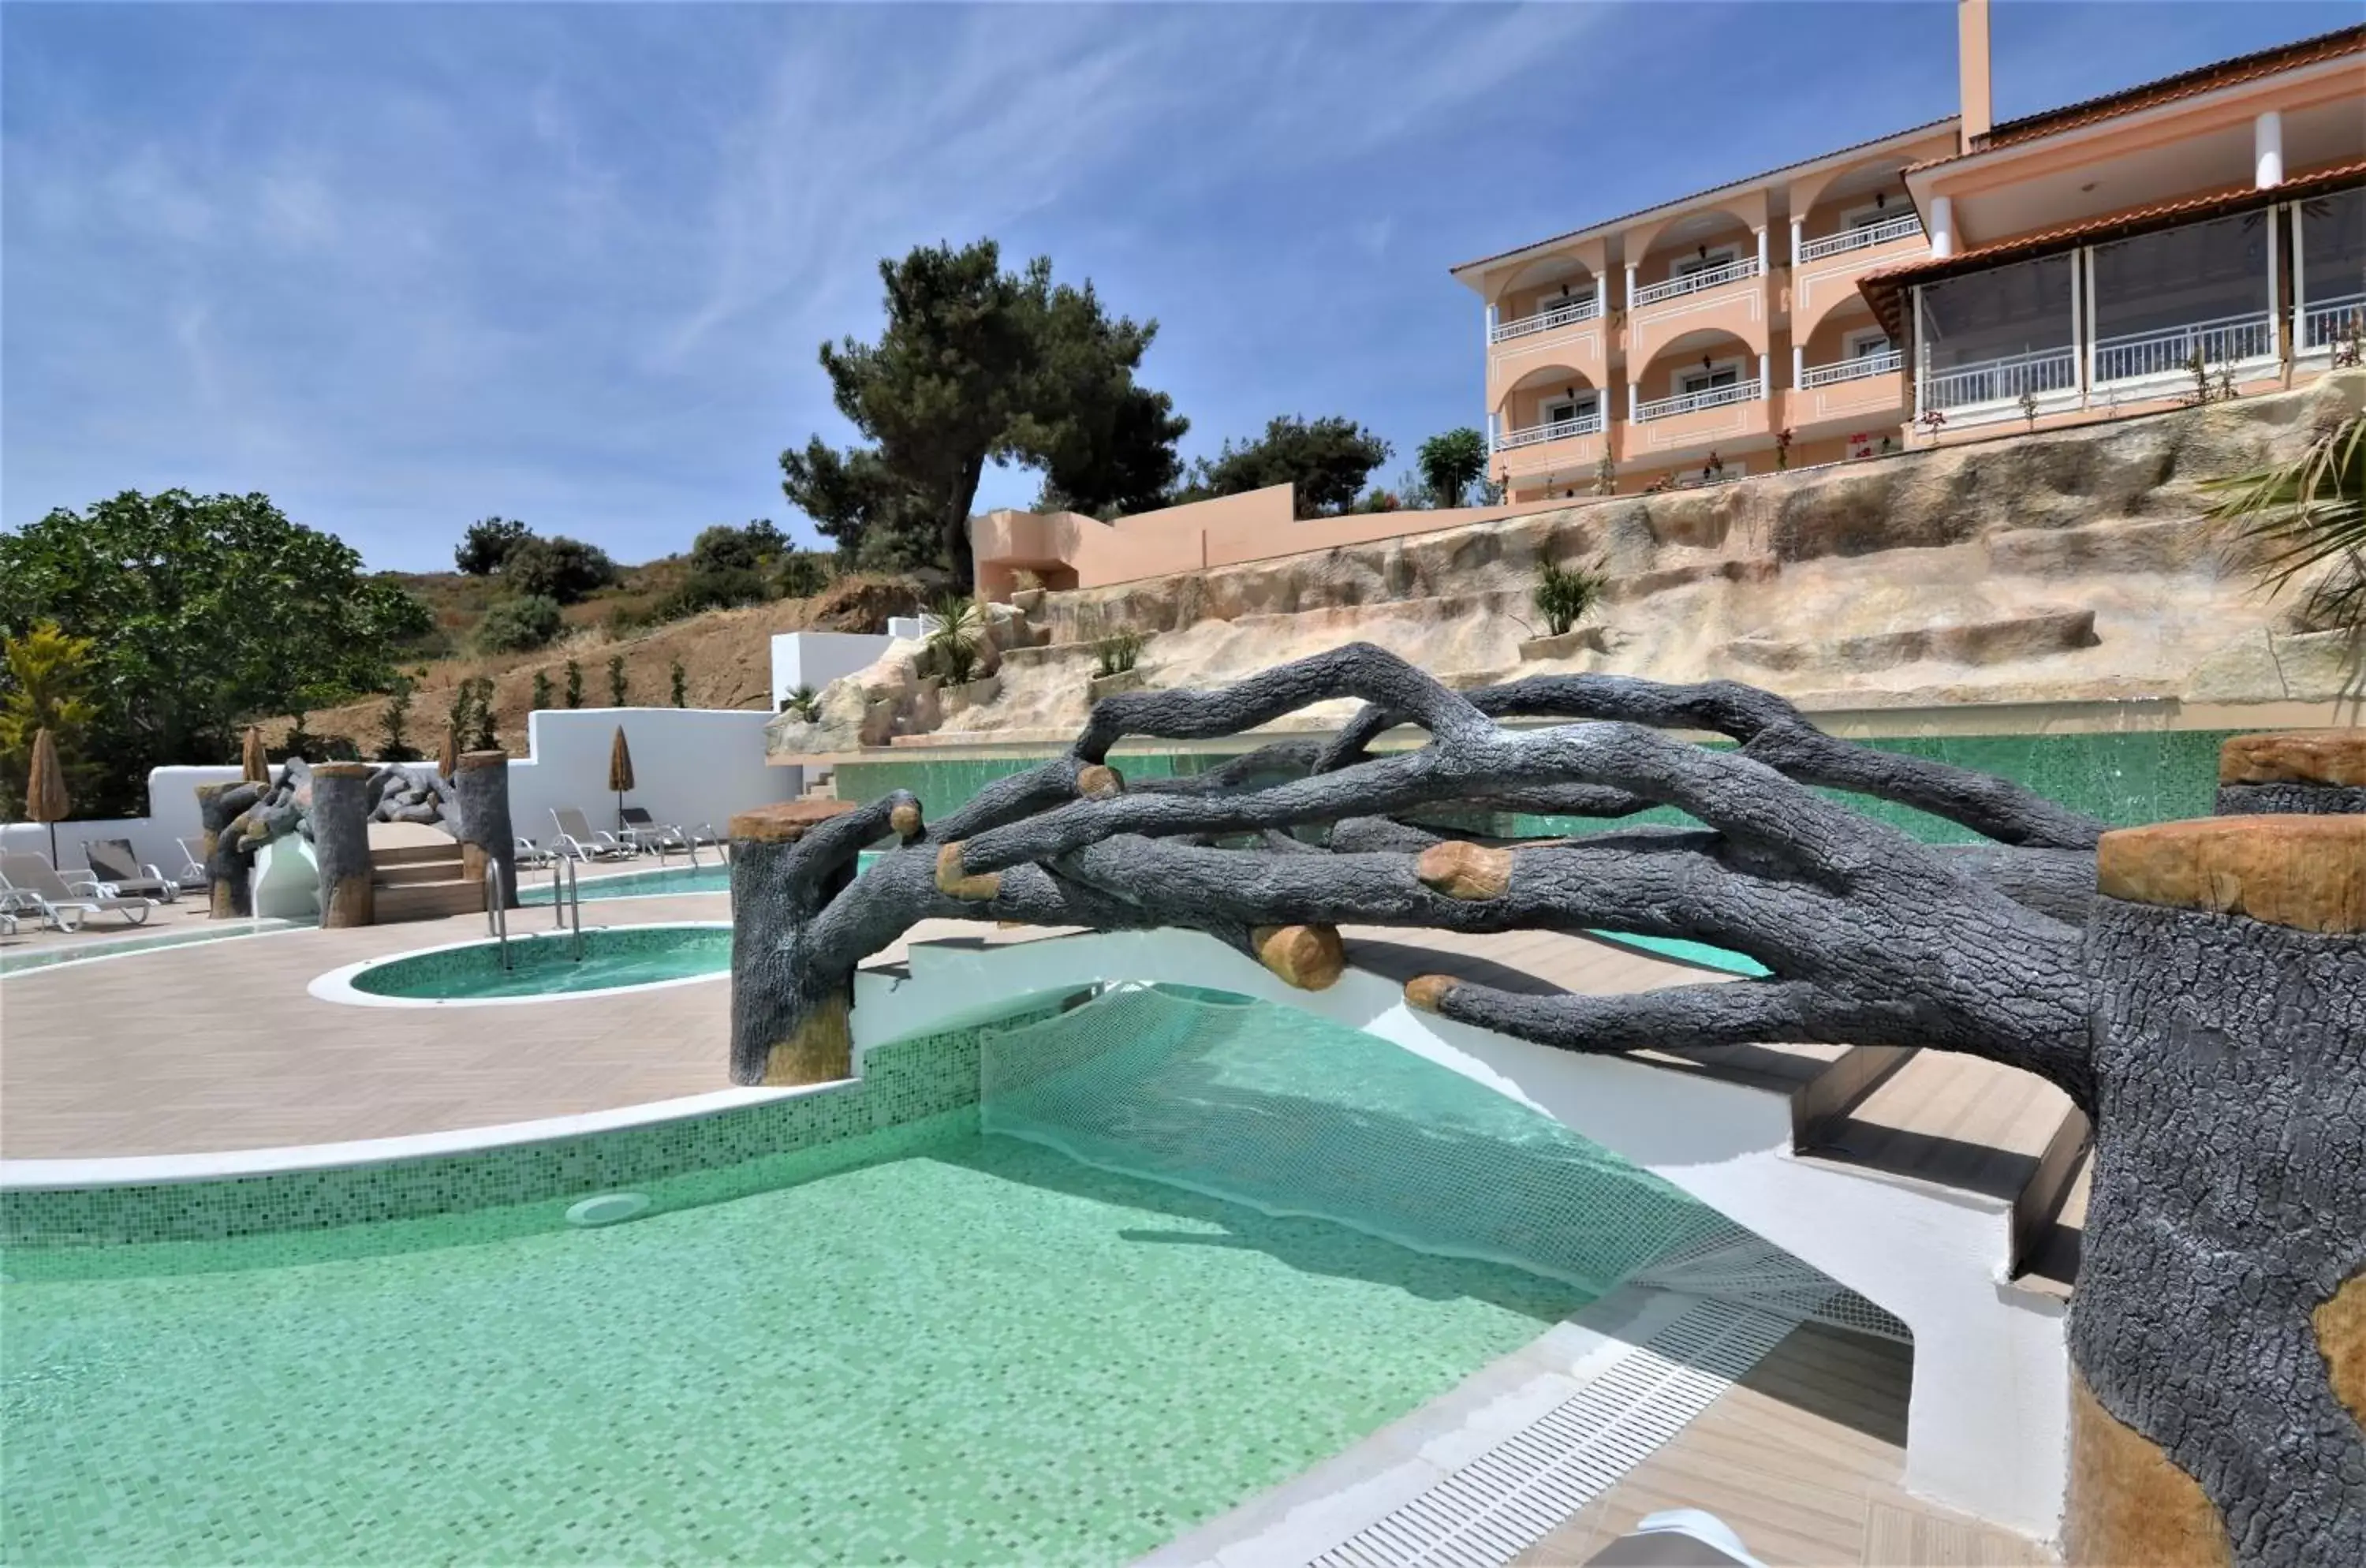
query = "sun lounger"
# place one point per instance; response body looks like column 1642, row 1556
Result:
column 119, row 870
column 578, row 840
column 530, row 853
column 193, row 877
column 33, row 885
column 1676, row 1537
column 646, row 833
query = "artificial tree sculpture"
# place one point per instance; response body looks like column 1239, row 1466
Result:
column 2205, row 1005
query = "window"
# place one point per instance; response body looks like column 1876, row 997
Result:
column 1708, row 377
column 1872, row 216
column 1561, row 409
column 1869, row 344
column 1710, row 261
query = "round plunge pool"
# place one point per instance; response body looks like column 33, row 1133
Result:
column 539, row 966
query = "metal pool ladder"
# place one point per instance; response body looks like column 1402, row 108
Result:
column 572, row 900
column 497, row 914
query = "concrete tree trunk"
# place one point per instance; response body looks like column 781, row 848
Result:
column 2317, row 773
column 2218, row 1332
column 789, row 1017
column 481, row 790
column 231, row 895
column 341, row 813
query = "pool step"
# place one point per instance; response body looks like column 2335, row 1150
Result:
column 428, row 900
column 404, row 873
column 383, row 855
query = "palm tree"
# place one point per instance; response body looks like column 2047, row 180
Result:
column 2310, row 513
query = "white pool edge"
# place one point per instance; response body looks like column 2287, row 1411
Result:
column 121, row 1171
column 337, row 985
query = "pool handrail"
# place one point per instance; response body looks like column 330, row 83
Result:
column 497, row 912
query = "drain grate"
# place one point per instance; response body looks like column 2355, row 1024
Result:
column 1507, row 1498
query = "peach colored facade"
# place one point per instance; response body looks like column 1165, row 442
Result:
column 1829, row 309
column 1064, row 550
column 1931, row 286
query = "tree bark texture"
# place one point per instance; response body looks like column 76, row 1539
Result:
column 228, row 860
column 480, row 790
column 2318, row 772
column 2216, row 1040
column 340, row 848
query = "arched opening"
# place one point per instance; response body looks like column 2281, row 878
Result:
column 1713, row 244
column 1546, row 404
column 1550, row 292
column 1845, row 343
column 1856, row 210
column 1699, row 370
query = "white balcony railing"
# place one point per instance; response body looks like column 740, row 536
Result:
column 1693, row 283
column 2002, row 380
column 1693, row 402
column 1855, row 369
column 1535, row 435
column 1559, row 315
column 1864, row 239
column 2229, row 340
column 2322, row 326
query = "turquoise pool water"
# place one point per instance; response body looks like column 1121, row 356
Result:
column 652, row 882
column 544, row 964
column 963, row 1349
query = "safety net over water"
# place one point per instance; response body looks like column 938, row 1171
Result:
column 1292, row 1114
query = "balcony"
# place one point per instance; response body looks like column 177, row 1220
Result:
column 2322, row 326
column 1694, row 403
column 2044, row 373
column 1536, row 435
column 2169, row 352
column 1696, row 282
column 1855, row 369
column 1906, row 227
column 1566, row 315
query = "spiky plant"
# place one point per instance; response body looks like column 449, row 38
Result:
column 2310, row 513
column 1564, row 593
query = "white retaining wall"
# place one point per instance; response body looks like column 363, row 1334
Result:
column 690, row 765
column 816, row 658
column 1987, row 1422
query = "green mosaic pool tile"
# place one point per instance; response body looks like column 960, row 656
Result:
column 905, row 1081
column 974, row 1352
column 2123, row 778
column 549, row 964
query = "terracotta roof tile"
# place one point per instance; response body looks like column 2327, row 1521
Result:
column 1885, row 290
column 2167, row 89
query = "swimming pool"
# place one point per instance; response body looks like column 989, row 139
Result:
column 970, row 1349
column 541, row 965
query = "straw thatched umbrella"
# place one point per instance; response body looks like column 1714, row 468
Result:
column 254, row 766
column 447, row 761
column 620, row 773
column 45, row 788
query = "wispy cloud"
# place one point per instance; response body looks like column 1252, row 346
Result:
column 404, row 266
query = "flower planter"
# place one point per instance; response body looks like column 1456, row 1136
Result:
column 1101, row 686
column 1567, row 645
column 972, row 694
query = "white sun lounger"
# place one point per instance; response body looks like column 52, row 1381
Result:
column 32, row 884
column 116, row 866
column 578, row 840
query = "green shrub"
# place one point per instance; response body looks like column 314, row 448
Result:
column 1117, row 653
column 718, row 589
column 619, row 688
column 957, row 645
column 574, row 684
column 541, row 690
column 802, row 574
column 518, row 625
column 680, row 683
column 805, row 702
column 562, row 569
column 1564, row 595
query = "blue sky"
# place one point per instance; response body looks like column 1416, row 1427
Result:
column 404, row 267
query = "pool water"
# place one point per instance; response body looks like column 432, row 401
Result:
column 968, row 1350
column 545, row 964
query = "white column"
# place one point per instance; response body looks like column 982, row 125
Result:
column 1762, row 250
column 1943, row 226
column 1490, row 430
column 1634, row 401
column 1798, row 226
column 2082, row 320
column 1765, row 370
column 1798, row 366
column 1922, row 354
column 1630, row 286
column 1490, row 339
column 2275, row 222
column 2268, row 149
column 2300, row 282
